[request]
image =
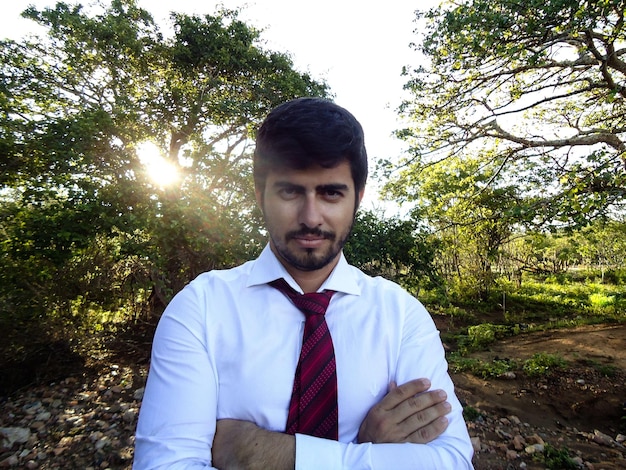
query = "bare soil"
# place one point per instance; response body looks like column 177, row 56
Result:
column 565, row 408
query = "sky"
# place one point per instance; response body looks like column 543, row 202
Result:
column 358, row 47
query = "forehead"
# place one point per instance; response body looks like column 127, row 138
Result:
column 313, row 176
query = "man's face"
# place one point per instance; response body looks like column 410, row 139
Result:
column 309, row 214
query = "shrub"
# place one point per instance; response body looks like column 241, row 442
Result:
column 540, row 363
column 558, row 458
column 484, row 334
column 470, row 413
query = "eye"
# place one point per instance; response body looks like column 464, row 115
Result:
column 332, row 194
column 288, row 192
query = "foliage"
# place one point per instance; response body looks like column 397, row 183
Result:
column 534, row 92
column 484, row 334
column 554, row 458
column 391, row 247
column 486, row 370
column 81, row 221
column 541, row 363
column 468, row 219
column 470, row 413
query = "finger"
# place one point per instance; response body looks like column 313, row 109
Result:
column 424, row 417
column 401, row 393
column 416, row 404
column 430, row 432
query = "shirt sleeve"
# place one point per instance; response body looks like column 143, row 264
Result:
column 421, row 354
column 178, row 414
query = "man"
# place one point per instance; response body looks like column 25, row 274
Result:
column 221, row 389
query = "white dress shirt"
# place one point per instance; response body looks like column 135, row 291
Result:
column 228, row 344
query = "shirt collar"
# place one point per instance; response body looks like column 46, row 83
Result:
column 267, row 268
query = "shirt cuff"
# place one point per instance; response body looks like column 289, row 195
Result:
column 313, row 453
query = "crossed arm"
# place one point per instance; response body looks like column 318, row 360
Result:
column 179, row 424
column 408, row 413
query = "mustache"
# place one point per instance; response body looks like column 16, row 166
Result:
column 316, row 232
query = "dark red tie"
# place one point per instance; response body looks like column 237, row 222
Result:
column 313, row 408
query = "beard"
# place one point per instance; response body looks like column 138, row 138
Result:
column 310, row 259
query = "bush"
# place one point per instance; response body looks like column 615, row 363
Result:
column 558, row 458
column 540, row 363
column 483, row 335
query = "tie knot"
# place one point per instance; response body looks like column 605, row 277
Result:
column 313, row 303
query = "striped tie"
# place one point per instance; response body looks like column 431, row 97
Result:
column 313, row 408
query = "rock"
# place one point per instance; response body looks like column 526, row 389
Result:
column 601, row 438
column 138, row 395
column 534, row 449
column 10, row 436
column 509, row 375
column 515, row 420
column 519, row 442
column 75, row 420
column 10, row 461
column 102, row 442
column 43, row 416
column 129, row 416
column 475, row 443
column 503, row 434
column 511, row 455
column 621, row 438
column 535, row 439
column 32, row 408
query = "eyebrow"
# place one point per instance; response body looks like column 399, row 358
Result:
column 319, row 188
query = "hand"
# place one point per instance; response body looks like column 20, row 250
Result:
column 408, row 413
column 244, row 445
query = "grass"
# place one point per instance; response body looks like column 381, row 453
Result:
column 540, row 364
column 487, row 370
column 537, row 305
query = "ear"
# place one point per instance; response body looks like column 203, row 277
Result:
column 361, row 194
column 360, row 197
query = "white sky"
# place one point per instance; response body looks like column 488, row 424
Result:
column 359, row 47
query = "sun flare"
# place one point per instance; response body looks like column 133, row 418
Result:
column 161, row 171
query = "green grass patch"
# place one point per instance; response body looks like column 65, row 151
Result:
column 486, row 370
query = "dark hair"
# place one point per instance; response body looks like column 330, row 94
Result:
column 306, row 132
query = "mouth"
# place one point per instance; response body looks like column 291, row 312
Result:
column 310, row 238
column 309, row 242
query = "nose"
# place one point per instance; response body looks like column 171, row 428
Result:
column 310, row 212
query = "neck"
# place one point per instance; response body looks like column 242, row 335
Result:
column 309, row 281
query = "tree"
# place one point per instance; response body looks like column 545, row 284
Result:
column 80, row 216
column 537, row 89
column 603, row 246
column 470, row 217
column 393, row 248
